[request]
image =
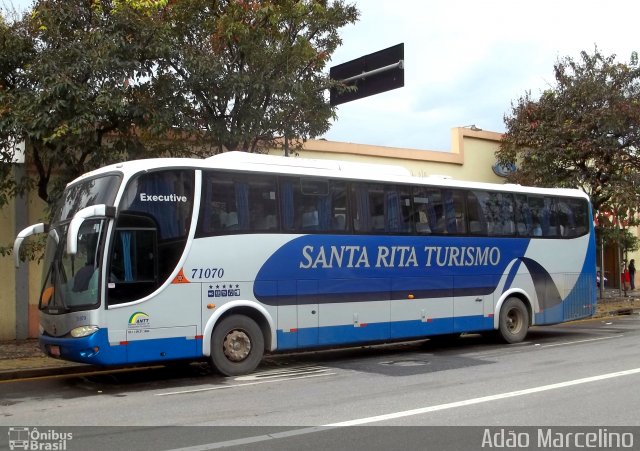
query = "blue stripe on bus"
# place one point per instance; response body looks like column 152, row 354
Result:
column 83, row 349
column 378, row 332
column 372, row 296
column 163, row 349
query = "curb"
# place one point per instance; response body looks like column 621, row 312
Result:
column 623, row 311
column 62, row 370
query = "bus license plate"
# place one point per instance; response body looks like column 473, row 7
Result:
column 54, row 350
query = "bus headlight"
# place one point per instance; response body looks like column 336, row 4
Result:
column 83, row 331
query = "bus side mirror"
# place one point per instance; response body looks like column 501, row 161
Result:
column 24, row 233
column 74, row 226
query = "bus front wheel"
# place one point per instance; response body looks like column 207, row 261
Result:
column 514, row 321
column 237, row 345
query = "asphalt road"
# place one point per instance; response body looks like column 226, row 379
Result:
column 582, row 374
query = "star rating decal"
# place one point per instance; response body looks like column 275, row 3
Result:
column 226, row 290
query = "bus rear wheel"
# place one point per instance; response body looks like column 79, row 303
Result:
column 237, row 345
column 514, row 321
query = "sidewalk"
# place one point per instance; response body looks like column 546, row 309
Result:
column 21, row 359
column 613, row 303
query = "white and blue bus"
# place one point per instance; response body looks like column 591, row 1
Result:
column 240, row 254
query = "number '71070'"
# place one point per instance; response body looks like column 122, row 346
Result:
column 207, row 273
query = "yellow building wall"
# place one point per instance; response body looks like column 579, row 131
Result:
column 7, row 276
column 36, row 212
column 471, row 156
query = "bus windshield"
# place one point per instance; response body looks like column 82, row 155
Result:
column 96, row 191
column 71, row 281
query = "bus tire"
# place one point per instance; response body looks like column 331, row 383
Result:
column 237, row 345
column 514, row 321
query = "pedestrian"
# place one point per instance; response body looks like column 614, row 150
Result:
column 632, row 274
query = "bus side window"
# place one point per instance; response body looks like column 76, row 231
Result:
column 338, row 206
column 421, row 215
column 361, row 207
column 539, row 217
column 573, row 217
column 456, row 221
column 381, row 208
column 505, row 213
column 578, row 211
column 429, row 210
column 263, row 204
column 475, row 211
column 550, row 217
column 524, row 221
column 237, row 203
column 377, row 208
column 397, row 209
column 568, row 212
column 134, row 264
column 312, row 205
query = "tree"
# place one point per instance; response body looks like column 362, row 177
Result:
column 16, row 50
column 237, row 74
column 245, row 73
column 73, row 81
column 89, row 82
column 584, row 132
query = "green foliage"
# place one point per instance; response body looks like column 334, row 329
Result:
column 584, row 132
column 32, row 249
column 244, row 73
column 73, row 79
column 627, row 241
column 87, row 83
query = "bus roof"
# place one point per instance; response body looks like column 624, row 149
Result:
column 251, row 162
column 275, row 163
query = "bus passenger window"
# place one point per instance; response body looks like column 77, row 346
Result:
column 430, row 211
column 312, row 205
column 233, row 203
column 476, row 213
column 539, row 216
column 550, row 211
column 338, row 205
column 310, row 220
column 381, row 208
column 524, row 220
column 573, row 215
column 339, row 222
column 454, row 211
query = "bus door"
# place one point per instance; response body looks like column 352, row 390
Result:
column 154, row 309
column 422, row 306
column 354, row 310
column 473, row 302
column 298, row 315
column 308, row 313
